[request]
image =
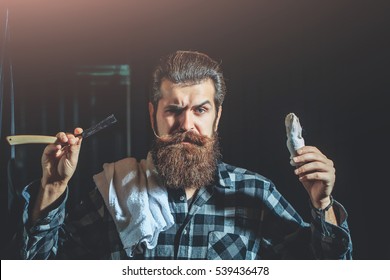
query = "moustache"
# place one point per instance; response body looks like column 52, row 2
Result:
column 180, row 137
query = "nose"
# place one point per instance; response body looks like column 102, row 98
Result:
column 186, row 121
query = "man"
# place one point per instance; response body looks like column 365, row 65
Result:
column 206, row 209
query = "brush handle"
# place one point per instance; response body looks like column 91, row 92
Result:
column 31, row 139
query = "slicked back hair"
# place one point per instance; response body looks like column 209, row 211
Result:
column 188, row 68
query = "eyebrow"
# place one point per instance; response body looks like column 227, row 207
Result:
column 203, row 103
column 178, row 107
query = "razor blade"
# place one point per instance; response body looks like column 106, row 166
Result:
column 43, row 139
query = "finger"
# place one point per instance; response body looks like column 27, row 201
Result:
column 74, row 142
column 75, row 147
column 78, row 130
column 318, row 176
column 51, row 149
column 59, row 153
column 308, row 149
column 316, row 166
column 62, row 138
column 310, row 157
column 72, row 139
column 79, row 139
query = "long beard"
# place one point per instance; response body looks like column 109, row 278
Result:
column 186, row 160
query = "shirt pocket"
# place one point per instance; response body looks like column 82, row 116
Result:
column 226, row 246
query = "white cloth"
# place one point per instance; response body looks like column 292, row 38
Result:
column 295, row 140
column 137, row 203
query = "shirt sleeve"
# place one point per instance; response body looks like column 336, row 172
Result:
column 331, row 241
column 40, row 241
column 286, row 235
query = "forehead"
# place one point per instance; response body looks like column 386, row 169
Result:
column 187, row 93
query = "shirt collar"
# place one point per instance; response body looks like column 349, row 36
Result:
column 224, row 176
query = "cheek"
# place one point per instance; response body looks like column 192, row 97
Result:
column 164, row 125
column 206, row 126
column 168, row 121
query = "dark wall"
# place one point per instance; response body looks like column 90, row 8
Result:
column 327, row 62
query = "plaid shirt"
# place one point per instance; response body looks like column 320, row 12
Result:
column 241, row 216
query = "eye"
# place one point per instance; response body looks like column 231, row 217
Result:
column 201, row 110
column 175, row 111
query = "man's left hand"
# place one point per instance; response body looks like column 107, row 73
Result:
column 317, row 174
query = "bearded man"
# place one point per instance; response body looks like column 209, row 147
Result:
column 183, row 201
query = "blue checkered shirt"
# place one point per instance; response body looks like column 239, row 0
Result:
column 241, row 216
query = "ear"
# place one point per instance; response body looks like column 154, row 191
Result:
column 218, row 118
column 151, row 115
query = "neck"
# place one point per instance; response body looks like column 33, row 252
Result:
column 190, row 192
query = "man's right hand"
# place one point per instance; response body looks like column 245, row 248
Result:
column 59, row 163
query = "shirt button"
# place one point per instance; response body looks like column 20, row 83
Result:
column 184, row 231
column 182, row 198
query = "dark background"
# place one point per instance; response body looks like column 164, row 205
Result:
column 327, row 61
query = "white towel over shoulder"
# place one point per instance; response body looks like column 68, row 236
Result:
column 138, row 205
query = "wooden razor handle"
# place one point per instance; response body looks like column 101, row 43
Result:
column 31, row 139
